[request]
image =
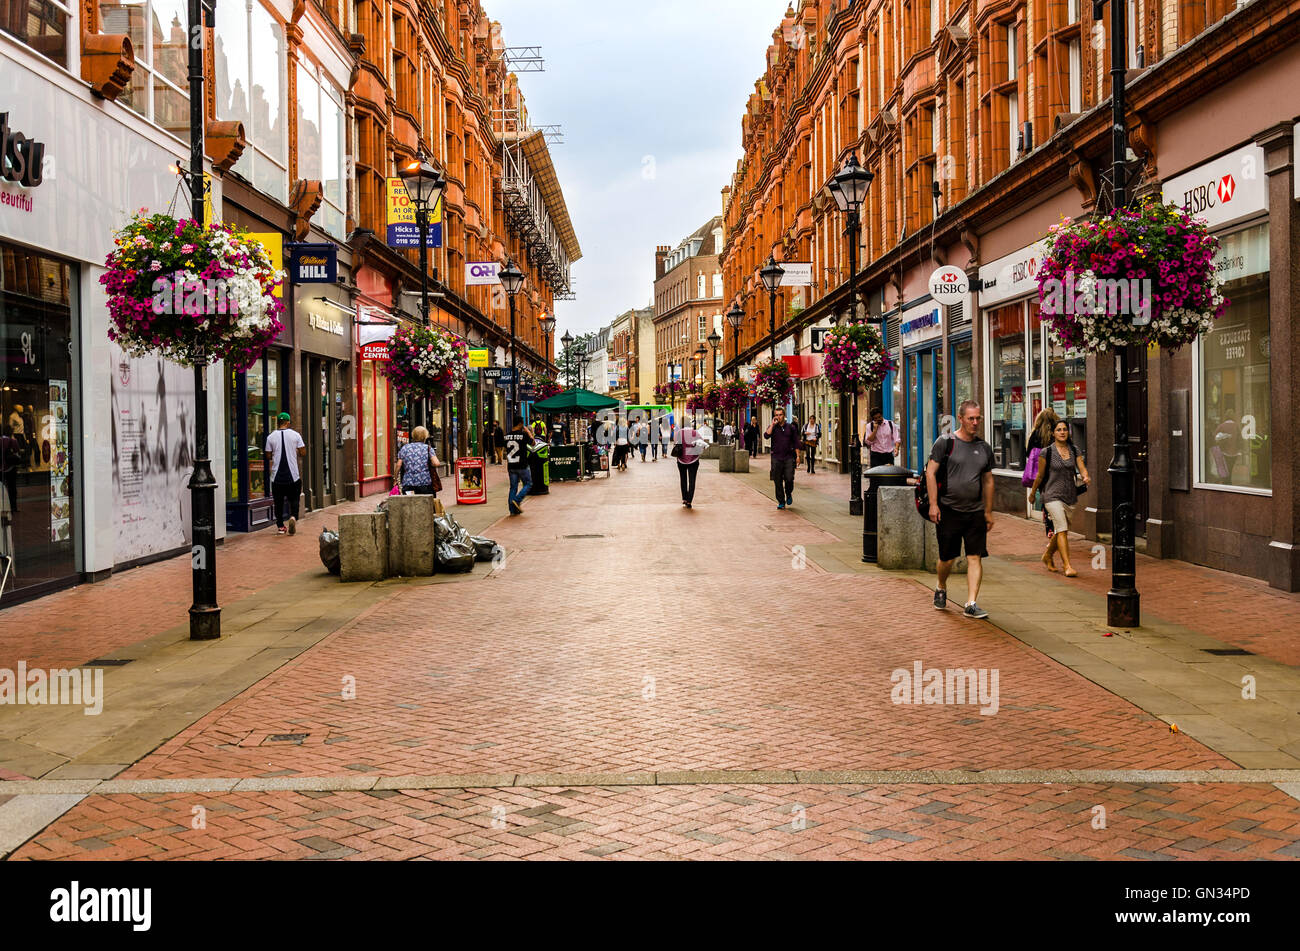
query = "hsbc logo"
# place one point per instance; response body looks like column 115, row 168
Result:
column 1210, row 195
column 949, row 285
column 1227, row 188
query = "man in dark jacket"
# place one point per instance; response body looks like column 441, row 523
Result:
column 785, row 456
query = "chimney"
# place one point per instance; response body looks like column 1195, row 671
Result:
column 661, row 254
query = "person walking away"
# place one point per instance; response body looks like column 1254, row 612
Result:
column 496, row 443
column 622, row 446
column 751, row 437
column 417, row 466
column 642, row 438
column 785, row 456
column 812, row 437
column 728, row 434
column 1060, row 472
column 518, row 446
column 1040, row 439
column 665, row 436
column 287, row 450
column 692, row 445
column 963, row 509
column 883, row 444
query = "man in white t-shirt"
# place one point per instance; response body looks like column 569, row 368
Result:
column 287, row 450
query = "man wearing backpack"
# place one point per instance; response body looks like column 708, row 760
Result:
column 959, row 478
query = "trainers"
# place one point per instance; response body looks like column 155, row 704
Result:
column 975, row 612
column 282, row 531
column 780, row 507
column 941, row 600
column 293, row 526
column 514, row 508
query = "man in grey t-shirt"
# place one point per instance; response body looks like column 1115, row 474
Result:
column 963, row 512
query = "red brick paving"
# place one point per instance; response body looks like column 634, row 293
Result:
column 693, row 822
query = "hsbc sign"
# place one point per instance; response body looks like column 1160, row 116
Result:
column 482, row 274
column 1225, row 191
column 949, row 286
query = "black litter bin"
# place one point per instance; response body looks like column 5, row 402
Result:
column 876, row 478
column 538, row 462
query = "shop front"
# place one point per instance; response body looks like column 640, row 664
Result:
column 324, row 332
column 377, row 407
column 921, row 332
column 97, row 444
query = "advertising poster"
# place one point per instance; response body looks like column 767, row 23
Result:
column 403, row 229
column 60, row 471
column 153, row 433
column 471, row 481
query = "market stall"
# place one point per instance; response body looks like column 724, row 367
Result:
column 584, row 456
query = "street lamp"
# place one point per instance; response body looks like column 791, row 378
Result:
column 512, row 282
column 424, row 186
column 715, row 339
column 547, row 323
column 567, row 342
column 736, row 317
column 1123, row 602
column 849, row 188
column 771, row 276
column 205, row 615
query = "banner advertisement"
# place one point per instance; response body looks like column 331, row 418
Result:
column 471, row 482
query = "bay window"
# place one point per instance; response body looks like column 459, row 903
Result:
column 251, row 88
column 41, row 24
column 321, row 144
column 159, row 88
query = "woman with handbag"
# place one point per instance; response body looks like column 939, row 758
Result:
column 1039, row 440
column 690, row 445
column 417, row 466
column 1062, row 478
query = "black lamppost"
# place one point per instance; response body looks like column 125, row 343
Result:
column 567, row 343
column 715, row 339
column 771, row 276
column 736, row 317
column 547, row 323
column 849, row 189
column 512, row 281
column 580, row 352
column 424, row 186
column 1123, row 603
column 205, row 615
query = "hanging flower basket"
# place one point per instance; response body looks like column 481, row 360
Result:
column 546, row 388
column 1143, row 276
column 190, row 294
column 708, row 399
column 426, row 362
column 772, row 383
column 732, row 395
column 856, row 359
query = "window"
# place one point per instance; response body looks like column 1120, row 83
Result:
column 159, row 83
column 1234, row 423
column 1134, row 36
column 717, row 285
column 703, row 332
column 699, row 287
column 1071, row 11
column 1013, row 127
column 251, row 88
column 1013, row 52
column 1074, row 52
column 320, row 144
column 1006, row 422
column 42, row 25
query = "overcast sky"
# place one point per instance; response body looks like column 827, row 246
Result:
column 650, row 98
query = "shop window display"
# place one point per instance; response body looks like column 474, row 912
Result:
column 1010, row 386
column 1235, row 424
column 37, row 399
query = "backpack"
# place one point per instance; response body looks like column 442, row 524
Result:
column 941, row 480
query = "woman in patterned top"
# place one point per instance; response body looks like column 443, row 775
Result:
column 416, row 464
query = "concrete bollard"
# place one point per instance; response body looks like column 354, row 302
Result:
column 411, row 536
column 726, row 458
column 900, row 544
column 740, row 461
column 711, row 452
column 363, row 547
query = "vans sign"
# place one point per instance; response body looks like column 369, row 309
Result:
column 1225, row 191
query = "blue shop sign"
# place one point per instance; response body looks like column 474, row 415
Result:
column 313, row 264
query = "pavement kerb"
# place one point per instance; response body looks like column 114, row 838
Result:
column 1155, row 652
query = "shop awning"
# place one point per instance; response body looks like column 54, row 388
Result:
column 804, row 366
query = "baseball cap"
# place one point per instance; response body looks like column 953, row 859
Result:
column 285, row 417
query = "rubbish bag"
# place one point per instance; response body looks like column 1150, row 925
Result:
column 485, row 549
column 458, row 532
column 453, row 559
column 442, row 530
column 329, row 552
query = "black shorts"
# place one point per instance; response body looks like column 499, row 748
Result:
column 956, row 529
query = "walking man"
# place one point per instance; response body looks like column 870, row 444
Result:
column 785, row 456
column 496, row 442
column 882, row 439
column 960, row 479
column 518, row 448
column 287, row 449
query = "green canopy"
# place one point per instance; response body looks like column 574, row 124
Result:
column 579, row 401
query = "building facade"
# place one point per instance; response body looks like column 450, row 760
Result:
column 688, row 295
column 985, row 125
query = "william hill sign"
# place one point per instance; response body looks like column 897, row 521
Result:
column 313, row 263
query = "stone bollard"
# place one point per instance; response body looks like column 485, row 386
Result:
column 900, row 544
column 726, row 458
column 932, row 552
column 363, row 547
column 712, row 452
column 411, row 536
column 740, row 461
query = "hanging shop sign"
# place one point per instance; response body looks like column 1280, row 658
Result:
column 377, row 350
column 482, row 274
column 818, row 338
column 480, row 359
column 502, row 376
column 1229, row 189
column 313, row 263
column 949, row 286
column 797, row 274
column 403, row 228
